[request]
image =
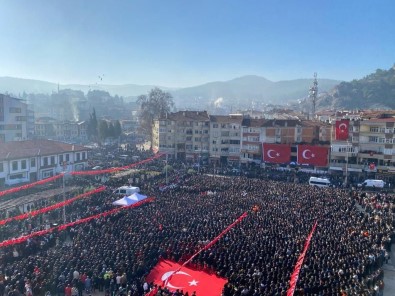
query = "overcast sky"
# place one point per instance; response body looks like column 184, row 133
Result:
column 189, row 42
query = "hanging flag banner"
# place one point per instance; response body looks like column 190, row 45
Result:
column 105, row 171
column 174, row 276
column 276, row 153
column 342, row 129
column 314, row 155
column 298, row 266
column 52, row 207
column 24, row 238
column 117, row 169
column 27, row 186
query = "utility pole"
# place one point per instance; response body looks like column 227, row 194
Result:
column 313, row 93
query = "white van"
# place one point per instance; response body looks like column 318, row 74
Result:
column 126, row 190
column 372, row 183
column 319, row 182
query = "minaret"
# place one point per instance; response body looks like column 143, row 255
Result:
column 313, row 93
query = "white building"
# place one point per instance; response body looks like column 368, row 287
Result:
column 33, row 160
column 13, row 119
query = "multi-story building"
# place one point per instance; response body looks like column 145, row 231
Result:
column 13, row 119
column 69, row 131
column 288, row 131
column 225, row 138
column 183, row 135
column 252, row 136
column 369, row 151
column 32, row 160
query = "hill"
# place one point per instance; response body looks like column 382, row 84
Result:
column 238, row 92
column 242, row 91
column 375, row 91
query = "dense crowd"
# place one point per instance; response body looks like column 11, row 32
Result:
column 115, row 254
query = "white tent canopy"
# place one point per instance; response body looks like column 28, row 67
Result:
column 129, row 200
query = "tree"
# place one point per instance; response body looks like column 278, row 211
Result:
column 118, row 129
column 111, row 130
column 92, row 125
column 154, row 105
column 103, row 129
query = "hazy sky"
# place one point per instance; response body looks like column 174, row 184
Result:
column 188, row 42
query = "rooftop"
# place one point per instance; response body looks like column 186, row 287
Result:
column 31, row 148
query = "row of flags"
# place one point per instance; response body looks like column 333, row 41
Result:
column 307, row 154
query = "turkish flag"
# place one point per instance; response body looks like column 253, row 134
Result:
column 276, row 153
column 342, row 129
column 314, row 155
column 174, row 276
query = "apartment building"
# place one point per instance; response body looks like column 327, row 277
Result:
column 183, row 135
column 368, row 151
column 13, row 119
column 69, row 131
column 33, row 160
column 286, row 131
column 225, row 138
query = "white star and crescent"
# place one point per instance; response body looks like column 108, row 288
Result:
column 193, row 283
column 305, row 156
column 269, row 153
column 165, row 278
column 342, row 130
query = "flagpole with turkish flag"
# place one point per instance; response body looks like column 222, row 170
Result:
column 175, row 276
column 276, row 153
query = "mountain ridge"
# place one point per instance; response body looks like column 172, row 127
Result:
column 239, row 91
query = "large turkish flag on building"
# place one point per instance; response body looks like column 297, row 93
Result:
column 174, row 276
column 314, row 155
column 342, row 129
column 276, row 153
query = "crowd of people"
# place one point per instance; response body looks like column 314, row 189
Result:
column 115, row 254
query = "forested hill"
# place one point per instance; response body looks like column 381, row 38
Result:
column 375, row 91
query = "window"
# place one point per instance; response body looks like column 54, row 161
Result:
column 67, row 157
column 374, row 129
column 16, row 176
column 47, row 174
column 14, row 165
column 373, row 139
column 32, row 162
column 52, row 160
column 23, row 164
column 234, row 142
column 20, row 118
column 61, row 159
column 215, row 125
column 45, row 161
column 15, row 110
column 83, row 155
column 1, row 167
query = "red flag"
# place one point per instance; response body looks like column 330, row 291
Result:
column 314, row 155
column 174, row 276
column 276, row 153
column 342, row 129
column 372, row 166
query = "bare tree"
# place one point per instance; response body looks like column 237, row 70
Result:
column 154, row 105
